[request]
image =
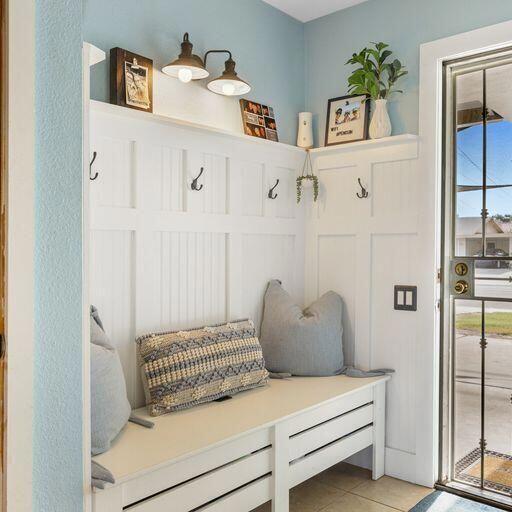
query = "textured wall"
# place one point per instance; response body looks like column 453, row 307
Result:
column 267, row 45
column 404, row 24
column 57, row 470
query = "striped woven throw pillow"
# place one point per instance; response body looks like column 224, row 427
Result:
column 186, row 368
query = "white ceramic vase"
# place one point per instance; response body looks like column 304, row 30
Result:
column 380, row 125
column 305, row 133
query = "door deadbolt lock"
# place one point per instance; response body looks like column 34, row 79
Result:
column 461, row 268
column 462, row 277
column 461, row 287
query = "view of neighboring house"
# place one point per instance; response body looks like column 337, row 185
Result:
column 469, row 236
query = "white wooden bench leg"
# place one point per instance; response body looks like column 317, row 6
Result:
column 280, row 470
column 108, row 500
column 379, row 430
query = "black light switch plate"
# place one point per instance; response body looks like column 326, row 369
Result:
column 406, row 298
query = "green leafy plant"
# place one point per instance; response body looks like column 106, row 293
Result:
column 376, row 75
column 307, row 177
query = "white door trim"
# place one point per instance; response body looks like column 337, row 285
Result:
column 432, row 57
column 20, row 257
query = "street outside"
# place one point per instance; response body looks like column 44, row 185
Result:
column 498, row 377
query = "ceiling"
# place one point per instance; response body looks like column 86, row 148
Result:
column 307, row 10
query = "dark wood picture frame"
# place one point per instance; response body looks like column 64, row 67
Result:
column 365, row 118
column 118, row 58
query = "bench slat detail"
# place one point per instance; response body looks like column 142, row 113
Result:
column 316, row 437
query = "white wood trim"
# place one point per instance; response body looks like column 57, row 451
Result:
column 280, row 472
column 432, row 56
column 20, row 254
column 365, row 144
column 90, row 55
column 379, row 431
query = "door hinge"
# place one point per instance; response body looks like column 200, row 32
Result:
column 2, row 346
column 438, row 275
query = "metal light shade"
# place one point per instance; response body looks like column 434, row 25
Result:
column 187, row 66
column 229, row 84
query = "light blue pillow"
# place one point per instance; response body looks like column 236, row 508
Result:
column 110, row 409
column 297, row 342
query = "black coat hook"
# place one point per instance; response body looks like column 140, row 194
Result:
column 364, row 193
column 271, row 194
column 91, row 177
column 195, row 180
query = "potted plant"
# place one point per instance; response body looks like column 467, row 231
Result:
column 376, row 76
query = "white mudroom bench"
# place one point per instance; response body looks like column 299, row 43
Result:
column 234, row 455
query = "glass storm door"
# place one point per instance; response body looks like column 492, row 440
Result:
column 476, row 453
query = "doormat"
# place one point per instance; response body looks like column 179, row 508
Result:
column 497, row 470
column 446, row 502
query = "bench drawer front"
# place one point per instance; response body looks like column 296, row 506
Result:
column 200, row 491
column 173, row 474
column 330, row 410
column 315, row 463
column 329, row 431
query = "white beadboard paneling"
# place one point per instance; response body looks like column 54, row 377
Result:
column 192, row 279
column 212, row 198
column 362, row 248
column 251, row 188
column 394, row 186
column 337, row 271
column 394, row 333
column 112, row 292
column 161, row 169
column 115, row 164
column 266, row 257
column 173, row 258
column 337, row 194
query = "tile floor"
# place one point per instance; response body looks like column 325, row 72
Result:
column 346, row 488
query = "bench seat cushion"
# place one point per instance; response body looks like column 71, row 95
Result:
column 186, row 368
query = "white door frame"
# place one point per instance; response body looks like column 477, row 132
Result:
column 432, row 57
column 20, row 256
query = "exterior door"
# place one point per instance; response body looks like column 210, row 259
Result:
column 477, row 276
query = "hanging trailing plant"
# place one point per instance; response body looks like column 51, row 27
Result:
column 377, row 75
column 307, row 175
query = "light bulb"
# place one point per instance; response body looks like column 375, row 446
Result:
column 228, row 89
column 185, row 75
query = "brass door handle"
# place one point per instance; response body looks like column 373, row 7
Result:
column 461, row 287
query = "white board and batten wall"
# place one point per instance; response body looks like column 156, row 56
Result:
column 164, row 256
column 362, row 248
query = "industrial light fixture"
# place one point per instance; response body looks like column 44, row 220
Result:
column 229, row 83
column 189, row 67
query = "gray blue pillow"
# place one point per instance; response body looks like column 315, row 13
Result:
column 110, row 409
column 297, row 342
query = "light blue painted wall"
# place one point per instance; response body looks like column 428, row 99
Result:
column 404, row 24
column 57, row 468
column 267, row 45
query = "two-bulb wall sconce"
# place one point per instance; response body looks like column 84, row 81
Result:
column 189, row 67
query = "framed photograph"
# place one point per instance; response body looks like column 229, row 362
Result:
column 131, row 80
column 347, row 119
column 259, row 120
